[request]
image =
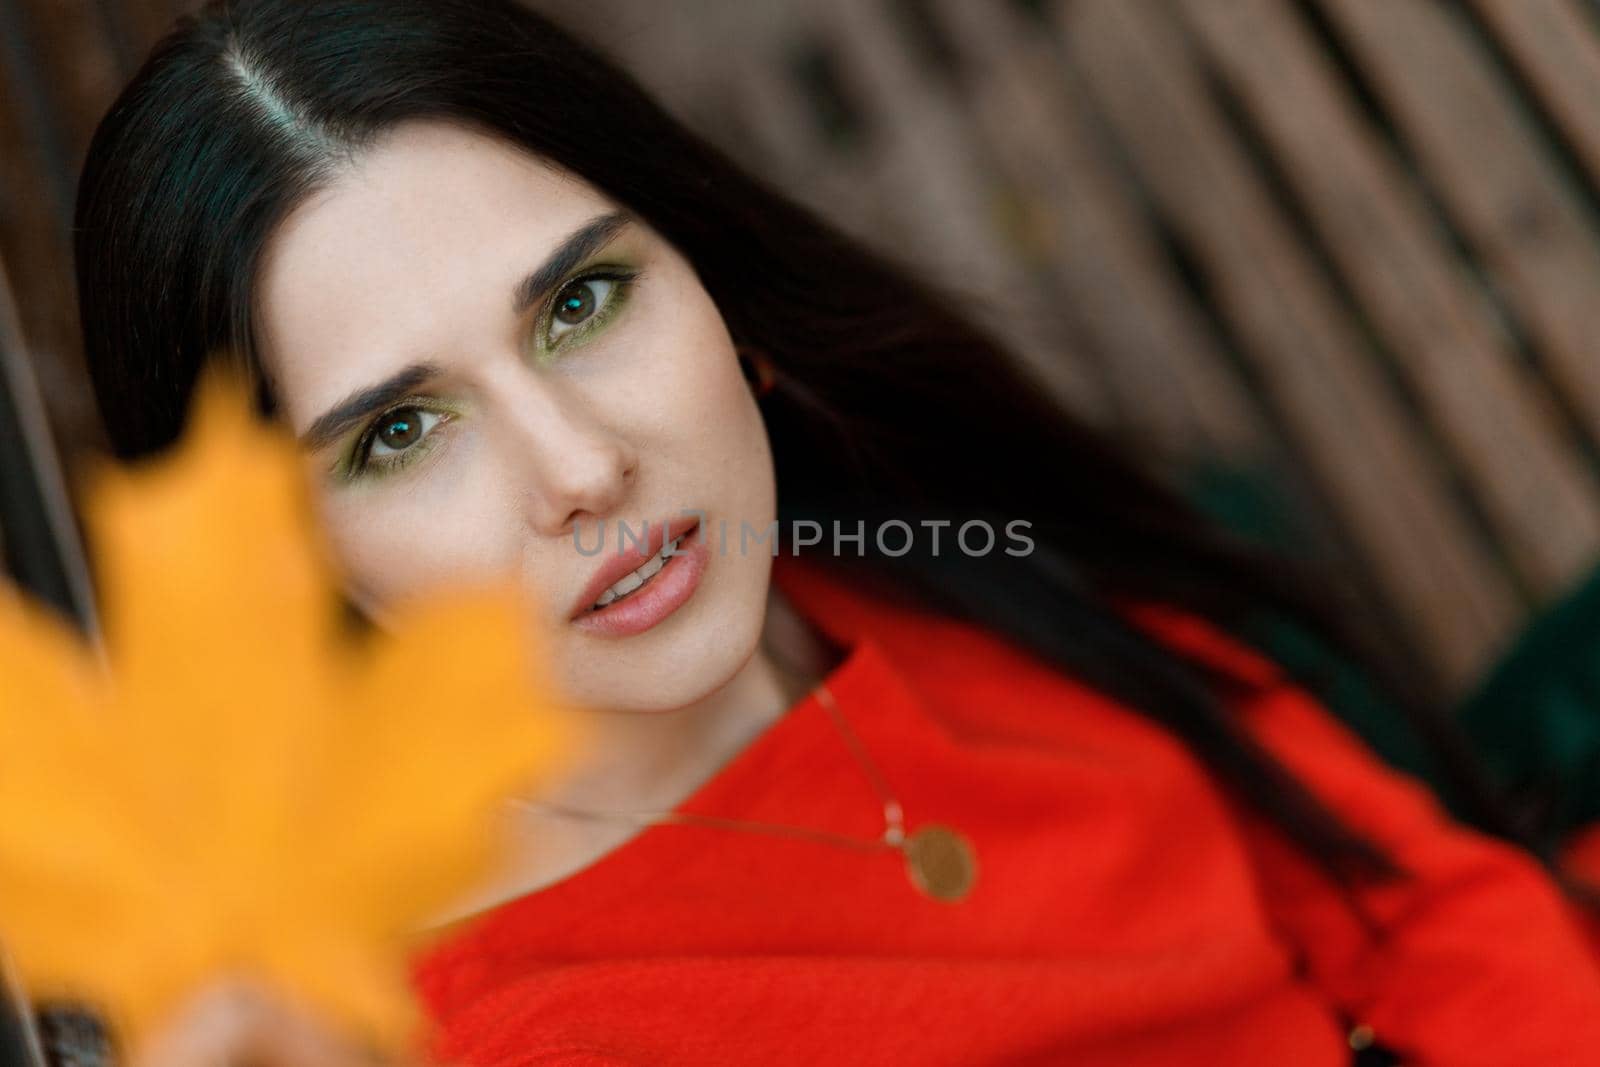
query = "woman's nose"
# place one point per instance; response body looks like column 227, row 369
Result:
column 571, row 467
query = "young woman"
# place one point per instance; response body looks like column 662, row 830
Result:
column 970, row 772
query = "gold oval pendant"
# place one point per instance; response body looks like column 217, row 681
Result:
column 941, row 862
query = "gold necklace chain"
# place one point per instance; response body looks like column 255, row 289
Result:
column 939, row 861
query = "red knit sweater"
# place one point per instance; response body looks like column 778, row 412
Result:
column 1126, row 911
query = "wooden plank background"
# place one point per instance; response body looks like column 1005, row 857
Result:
column 1348, row 247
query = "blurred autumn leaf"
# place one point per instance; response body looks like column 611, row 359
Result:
column 240, row 784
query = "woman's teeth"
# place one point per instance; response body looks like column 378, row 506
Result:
column 635, row 579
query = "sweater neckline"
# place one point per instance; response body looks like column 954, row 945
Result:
column 766, row 780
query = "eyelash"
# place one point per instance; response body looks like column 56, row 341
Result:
column 360, row 463
column 622, row 280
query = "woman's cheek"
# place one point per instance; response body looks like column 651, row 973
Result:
column 405, row 538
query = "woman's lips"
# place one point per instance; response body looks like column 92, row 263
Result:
column 616, row 564
column 662, row 594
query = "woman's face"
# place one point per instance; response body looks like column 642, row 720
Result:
column 484, row 425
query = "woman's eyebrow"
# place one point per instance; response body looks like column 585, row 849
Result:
column 328, row 426
column 573, row 250
column 578, row 246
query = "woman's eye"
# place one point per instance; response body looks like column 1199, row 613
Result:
column 397, row 438
column 399, row 430
column 580, row 302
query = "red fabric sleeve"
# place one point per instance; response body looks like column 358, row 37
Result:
column 1580, row 860
column 1475, row 959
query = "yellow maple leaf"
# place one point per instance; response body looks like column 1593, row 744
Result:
column 240, row 785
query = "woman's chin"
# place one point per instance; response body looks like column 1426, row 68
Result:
column 653, row 673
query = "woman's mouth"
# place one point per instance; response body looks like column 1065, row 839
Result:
column 638, row 579
column 646, row 595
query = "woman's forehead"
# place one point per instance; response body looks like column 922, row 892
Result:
column 425, row 191
column 424, row 236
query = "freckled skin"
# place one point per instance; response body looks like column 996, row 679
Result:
column 412, row 255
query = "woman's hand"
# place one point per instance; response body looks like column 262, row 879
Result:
column 241, row 1024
